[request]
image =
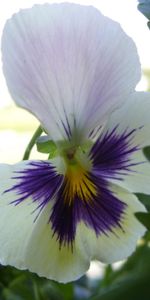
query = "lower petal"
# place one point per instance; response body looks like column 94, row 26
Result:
column 44, row 256
column 121, row 242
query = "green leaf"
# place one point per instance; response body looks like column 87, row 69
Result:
column 146, row 152
column 144, row 218
column 145, row 199
column 132, row 288
column 66, row 290
column 144, row 8
column 51, row 291
column 107, row 276
column 44, row 145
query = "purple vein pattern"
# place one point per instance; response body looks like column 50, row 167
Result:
column 38, row 180
column 112, row 153
column 101, row 214
column 111, row 158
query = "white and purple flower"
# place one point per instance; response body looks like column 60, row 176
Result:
column 76, row 71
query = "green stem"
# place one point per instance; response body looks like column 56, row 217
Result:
column 37, row 133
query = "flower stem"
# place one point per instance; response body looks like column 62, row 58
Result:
column 32, row 142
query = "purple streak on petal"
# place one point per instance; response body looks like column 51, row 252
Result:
column 111, row 154
column 102, row 213
column 67, row 129
column 39, row 180
column 63, row 220
column 95, row 132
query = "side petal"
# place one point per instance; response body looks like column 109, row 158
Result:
column 120, row 243
column 134, row 116
column 68, row 79
column 138, row 179
column 38, row 180
column 16, row 222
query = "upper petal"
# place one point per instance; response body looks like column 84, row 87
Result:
column 69, row 65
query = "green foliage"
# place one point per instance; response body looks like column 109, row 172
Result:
column 144, row 8
column 22, row 285
column 146, row 152
column 145, row 199
column 144, row 218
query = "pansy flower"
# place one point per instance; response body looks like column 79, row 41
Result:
column 76, row 71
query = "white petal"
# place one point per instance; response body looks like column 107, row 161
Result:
column 134, row 114
column 69, row 65
column 44, row 257
column 116, row 245
column 16, row 222
column 138, row 180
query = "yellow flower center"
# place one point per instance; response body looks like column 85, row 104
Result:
column 77, row 181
